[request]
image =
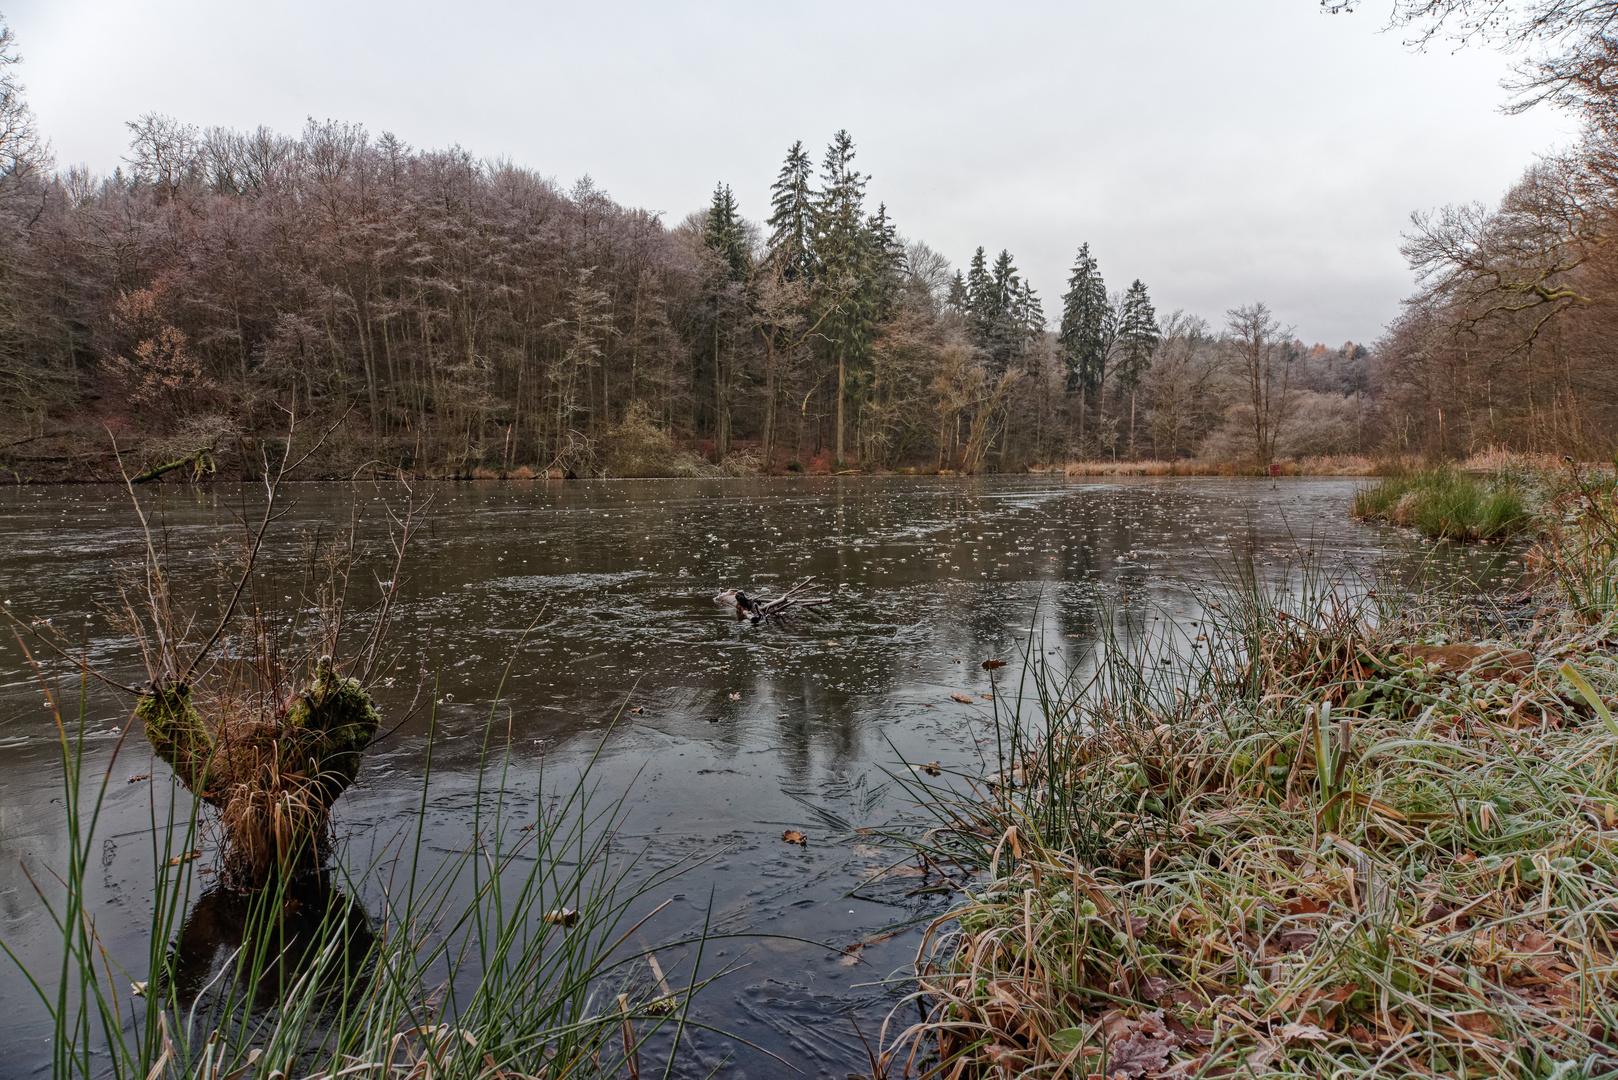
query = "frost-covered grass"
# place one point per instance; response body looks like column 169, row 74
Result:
column 1339, row 834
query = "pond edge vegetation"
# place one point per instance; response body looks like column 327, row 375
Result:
column 1336, row 829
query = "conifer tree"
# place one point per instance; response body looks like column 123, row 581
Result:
column 1004, row 334
column 1028, row 312
column 792, row 213
column 843, row 247
column 1084, row 331
column 958, row 300
column 885, row 261
column 979, row 298
column 1138, row 336
column 726, row 235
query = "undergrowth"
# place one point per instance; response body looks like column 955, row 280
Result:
column 1328, row 830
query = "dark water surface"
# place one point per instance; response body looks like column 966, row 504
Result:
column 745, row 731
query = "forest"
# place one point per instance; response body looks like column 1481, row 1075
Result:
column 450, row 316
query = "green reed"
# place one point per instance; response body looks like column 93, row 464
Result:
column 518, row 954
column 1444, row 503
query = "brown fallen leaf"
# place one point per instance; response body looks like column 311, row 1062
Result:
column 793, row 836
column 990, row 665
column 638, row 709
column 963, row 699
column 562, row 916
column 185, row 857
column 1137, row 1055
column 932, row 769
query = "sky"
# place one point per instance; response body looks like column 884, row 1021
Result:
column 1221, row 152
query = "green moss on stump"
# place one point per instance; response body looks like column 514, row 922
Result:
column 329, row 726
column 273, row 779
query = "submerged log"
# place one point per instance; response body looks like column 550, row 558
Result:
column 200, row 460
column 273, row 779
column 755, row 609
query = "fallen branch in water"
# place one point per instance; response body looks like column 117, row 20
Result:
column 756, row 609
column 200, row 460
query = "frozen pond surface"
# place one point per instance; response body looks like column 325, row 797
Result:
column 745, row 731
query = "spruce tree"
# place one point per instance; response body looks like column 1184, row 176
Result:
column 979, row 297
column 1028, row 313
column 1084, row 332
column 1138, row 336
column 726, row 235
column 1001, row 335
column 792, row 214
column 843, row 249
column 958, row 300
column 885, row 261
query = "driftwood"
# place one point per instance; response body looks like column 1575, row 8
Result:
column 200, row 460
column 755, row 609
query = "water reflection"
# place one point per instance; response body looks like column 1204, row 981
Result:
column 743, row 731
column 265, row 941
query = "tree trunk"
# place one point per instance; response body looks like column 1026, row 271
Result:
column 839, row 460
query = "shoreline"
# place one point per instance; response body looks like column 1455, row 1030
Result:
column 1347, row 834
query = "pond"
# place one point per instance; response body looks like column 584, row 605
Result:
column 741, row 732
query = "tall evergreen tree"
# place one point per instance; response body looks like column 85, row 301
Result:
column 1137, row 336
column 1002, row 334
column 726, row 234
column 1028, row 312
column 958, row 299
column 885, row 261
column 979, row 297
column 792, row 217
column 843, row 248
column 1084, row 332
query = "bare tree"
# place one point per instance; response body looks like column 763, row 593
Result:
column 1263, row 359
column 1180, row 384
column 164, row 152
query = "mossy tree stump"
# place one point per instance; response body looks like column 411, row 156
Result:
column 272, row 779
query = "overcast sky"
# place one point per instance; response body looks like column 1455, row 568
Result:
column 1220, row 151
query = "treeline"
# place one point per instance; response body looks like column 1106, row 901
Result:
column 1510, row 339
column 472, row 317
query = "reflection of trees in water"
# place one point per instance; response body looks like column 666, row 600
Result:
column 817, row 714
column 237, row 942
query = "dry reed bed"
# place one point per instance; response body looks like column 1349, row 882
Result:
column 1322, row 850
column 1344, row 465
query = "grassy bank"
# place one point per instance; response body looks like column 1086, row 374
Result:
column 1332, row 832
column 1448, row 504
